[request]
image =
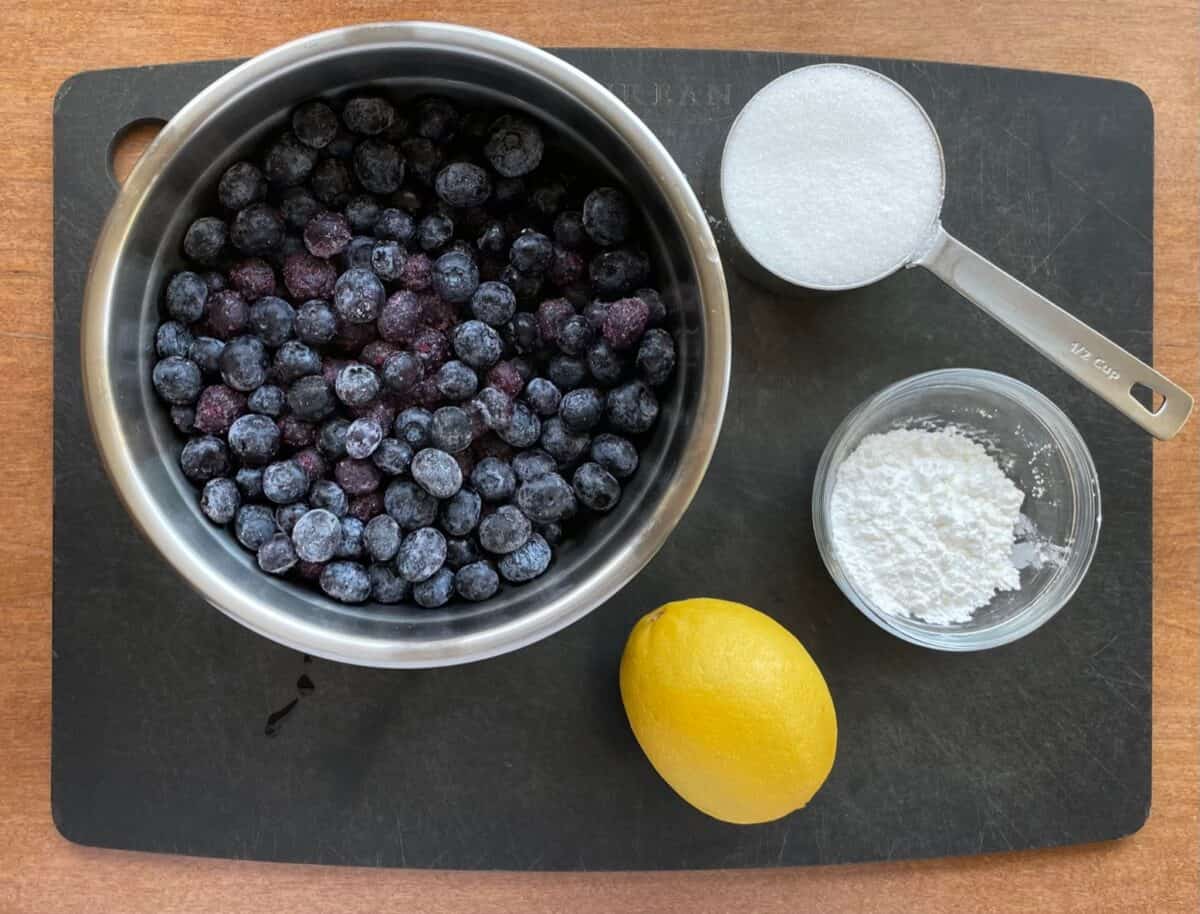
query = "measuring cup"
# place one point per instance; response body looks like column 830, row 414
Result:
column 1085, row 354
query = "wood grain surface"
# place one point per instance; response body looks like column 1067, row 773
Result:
column 1153, row 43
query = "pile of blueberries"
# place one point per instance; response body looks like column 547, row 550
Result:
column 413, row 346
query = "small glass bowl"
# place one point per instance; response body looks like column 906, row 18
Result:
column 1038, row 448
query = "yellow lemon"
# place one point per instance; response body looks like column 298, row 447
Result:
column 729, row 708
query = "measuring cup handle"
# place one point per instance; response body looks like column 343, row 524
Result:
column 1090, row 357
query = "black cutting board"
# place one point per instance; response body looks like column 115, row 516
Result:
column 161, row 705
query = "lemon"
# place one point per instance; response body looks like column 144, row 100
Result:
column 729, row 708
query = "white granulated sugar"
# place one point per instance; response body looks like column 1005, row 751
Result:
column 832, row 176
column 923, row 524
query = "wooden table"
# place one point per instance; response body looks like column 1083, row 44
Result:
column 1153, row 43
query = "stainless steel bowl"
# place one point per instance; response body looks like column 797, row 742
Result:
column 175, row 179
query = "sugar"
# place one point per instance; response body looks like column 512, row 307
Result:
column 832, row 176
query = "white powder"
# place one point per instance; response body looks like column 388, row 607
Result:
column 832, row 176
column 923, row 522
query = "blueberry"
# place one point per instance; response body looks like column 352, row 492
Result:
column 361, row 212
column 595, row 487
column 310, row 398
column 276, row 555
column 561, row 443
column 615, row 454
column 422, row 159
column 331, row 440
column 317, row 535
column 632, row 408
column 522, row 332
column 249, row 482
column 357, row 477
column 409, row 505
column 456, row 380
column 400, row 317
column 594, row 312
column 184, row 418
column 493, row 303
column 254, row 525
column 575, row 335
column 378, row 166
column 551, row 533
column 284, row 482
column 393, row 457
column 505, row 530
column 173, row 338
column 362, row 438
column 316, row 323
column 436, row 590
column 220, row 500
column 436, row 472
column 413, row 426
column 257, row 229
column 567, row 372
column 394, row 224
column 461, row 551
column 614, row 273
column 358, row 296
column 310, row 460
column 217, row 407
column 327, row 234
column 215, row 281
column 381, row 538
column 298, row 205
column 176, row 379
column 477, row 344
column 455, row 276
column 582, row 409
column 205, row 239
column 243, row 363
column 253, row 278
column 315, row 124
column 656, row 357
column 286, row 516
column 568, row 229
column 494, row 480
column 566, row 268
column 288, row 161
column 401, row 371
column 308, row 277
column 533, row 463
column 462, row 184
column 476, row 581
column 387, row 260
column 531, row 252
column 460, row 512
column 515, row 146
column 327, row 494
column 356, row 385
column 450, row 430
column 655, row 304
column 552, row 314
column 606, row 216
column 523, row 427
column 625, row 322
column 227, row 314
column 436, row 119
column 422, row 552
column 526, row 286
column 605, row 363
column 493, row 407
column 434, row 231
column 543, row 396
column 295, row 432
column 368, row 115
column 527, row 562
column 186, row 296
column 358, row 253
column 493, row 239
column 254, row 439
column 351, row 545
column 272, row 319
column 546, row 499
column 346, row 582
column 386, row 586
column 294, row 360
column 241, row 185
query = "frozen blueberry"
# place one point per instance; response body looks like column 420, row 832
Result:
column 286, row 516
column 434, row 231
column 288, row 161
column 436, row 472
column 523, row 427
column 254, row 439
column 507, row 377
column 436, row 119
column 327, row 494
column 526, row 286
column 393, row 457
column 460, row 512
column 533, row 463
column 317, row 535
column 546, row 499
column 605, row 363
column 436, row 590
column 656, row 357
column 249, row 482
column 176, row 379
column 327, row 234
column 561, row 443
column 173, row 338
column 494, row 480
column 294, row 360
column 567, row 372
column 381, row 538
column 461, row 551
column 298, row 205
column 346, row 582
column 527, row 562
column 257, row 229
column 493, row 239
column 400, row 316
column 284, row 482
column 387, row 587
column 220, row 500
column 361, row 212
column 606, row 216
column 581, row 409
column 413, row 426
column 351, row 545
column 205, row 239
column 492, row 407
column 217, row 407
column 450, row 430
column 272, row 320
column 310, row 398
column 241, row 185
column 267, row 400
column 358, row 296
column 315, row 323
column 394, row 224
column 357, row 254
column 308, row 277
column 575, row 335
column 331, row 182
column 315, row 124
column 362, row 438
column 632, row 408
column 253, row 278
column 455, row 276
column 515, row 146
column 276, row 555
column 227, row 314
column 614, row 273
column 463, row 184
column 531, row 252
column 184, row 418
column 295, row 432
column 356, row 384
column 655, row 304
column 568, row 229
column 552, row 314
column 243, row 363
column 615, row 454
column 594, row 312
column 543, row 396
column 378, row 166
column 368, row 115
column 595, row 487
column 477, row 344
column 205, row 351
column 422, row 552
column 456, row 380
column 387, row 260
column 493, row 303
column 254, row 525
column 476, row 581
column 331, row 440
column 186, row 296
column 504, row 530
column 625, row 322
column 551, row 533
column 310, row 461
column 409, row 505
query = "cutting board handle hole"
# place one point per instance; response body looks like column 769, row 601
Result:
column 128, row 145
